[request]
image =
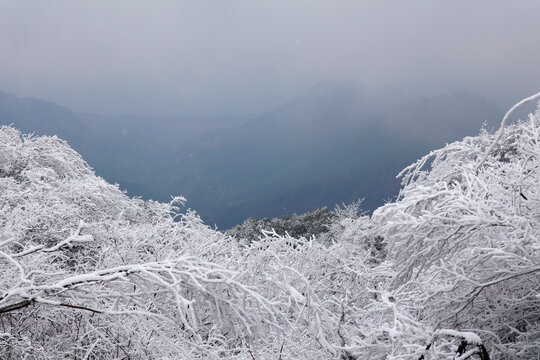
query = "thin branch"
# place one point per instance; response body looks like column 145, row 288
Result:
column 501, row 128
column 16, row 306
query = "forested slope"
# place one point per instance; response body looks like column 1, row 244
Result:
column 451, row 265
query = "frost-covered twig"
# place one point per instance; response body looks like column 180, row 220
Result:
column 501, row 127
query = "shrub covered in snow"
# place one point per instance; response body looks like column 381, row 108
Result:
column 87, row 272
column 450, row 270
column 464, row 238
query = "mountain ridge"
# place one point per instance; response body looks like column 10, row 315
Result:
column 338, row 140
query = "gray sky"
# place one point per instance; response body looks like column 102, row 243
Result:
column 246, row 56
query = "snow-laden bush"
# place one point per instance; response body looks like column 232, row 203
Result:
column 448, row 271
column 464, row 238
column 87, row 272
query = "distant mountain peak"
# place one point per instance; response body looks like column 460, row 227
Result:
column 331, row 87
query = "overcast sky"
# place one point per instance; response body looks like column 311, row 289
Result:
column 247, row 56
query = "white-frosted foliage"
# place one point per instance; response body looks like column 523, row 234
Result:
column 86, row 272
column 89, row 273
column 465, row 240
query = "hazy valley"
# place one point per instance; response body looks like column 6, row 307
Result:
column 337, row 143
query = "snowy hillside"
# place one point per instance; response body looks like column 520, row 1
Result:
column 89, row 273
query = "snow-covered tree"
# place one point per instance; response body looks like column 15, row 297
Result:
column 87, row 272
column 450, row 270
column 464, row 238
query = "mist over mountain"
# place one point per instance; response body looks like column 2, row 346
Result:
column 126, row 149
column 41, row 117
column 338, row 142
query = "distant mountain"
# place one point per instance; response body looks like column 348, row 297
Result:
column 129, row 150
column 338, row 142
column 41, row 117
column 134, row 151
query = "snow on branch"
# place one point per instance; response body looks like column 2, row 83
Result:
column 503, row 123
column 88, row 272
